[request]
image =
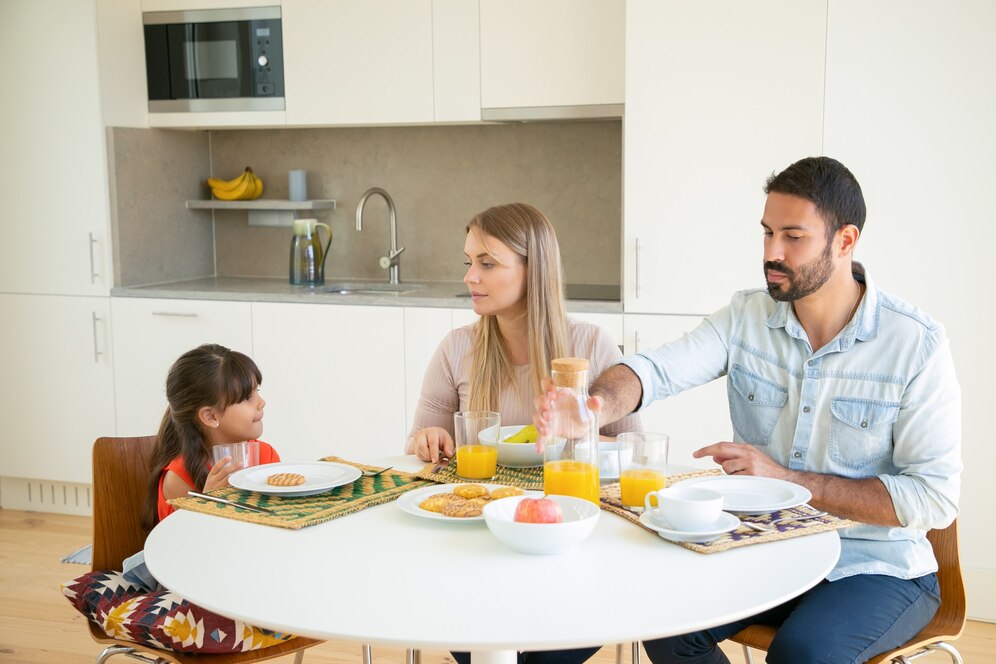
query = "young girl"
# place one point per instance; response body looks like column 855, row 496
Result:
column 213, row 396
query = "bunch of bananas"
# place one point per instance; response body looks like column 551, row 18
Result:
column 246, row 187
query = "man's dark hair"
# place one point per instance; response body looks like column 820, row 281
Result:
column 828, row 185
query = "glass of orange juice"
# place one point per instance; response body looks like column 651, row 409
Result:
column 642, row 466
column 476, row 444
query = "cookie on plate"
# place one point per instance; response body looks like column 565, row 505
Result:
column 505, row 492
column 470, row 490
column 436, row 502
column 464, row 508
column 285, row 479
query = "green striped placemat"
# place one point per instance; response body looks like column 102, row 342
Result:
column 298, row 512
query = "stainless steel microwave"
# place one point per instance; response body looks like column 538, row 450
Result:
column 214, row 60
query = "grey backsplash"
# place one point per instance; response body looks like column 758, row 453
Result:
column 438, row 176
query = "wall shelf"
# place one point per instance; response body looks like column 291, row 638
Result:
column 265, row 211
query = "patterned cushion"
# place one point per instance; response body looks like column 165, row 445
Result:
column 161, row 619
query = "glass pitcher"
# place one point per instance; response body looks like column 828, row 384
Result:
column 307, row 257
column 570, row 455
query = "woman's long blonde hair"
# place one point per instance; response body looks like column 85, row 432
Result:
column 527, row 232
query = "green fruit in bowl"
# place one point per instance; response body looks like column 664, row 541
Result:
column 528, row 434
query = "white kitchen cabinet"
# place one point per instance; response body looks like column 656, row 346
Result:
column 424, row 330
column 150, row 334
column 57, row 393
column 358, row 61
column 719, row 95
column 53, row 167
column 551, row 53
column 456, row 61
column 333, row 379
column 123, row 88
column 695, row 418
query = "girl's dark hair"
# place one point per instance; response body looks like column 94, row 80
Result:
column 209, row 375
column 827, row 184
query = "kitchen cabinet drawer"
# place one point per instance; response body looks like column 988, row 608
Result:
column 695, row 418
column 150, row 334
column 333, row 379
column 57, row 394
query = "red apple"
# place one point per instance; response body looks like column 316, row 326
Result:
column 538, row 510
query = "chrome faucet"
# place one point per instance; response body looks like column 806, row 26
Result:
column 391, row 261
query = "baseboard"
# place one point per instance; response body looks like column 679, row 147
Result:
column 980, row 588
column 18, row 493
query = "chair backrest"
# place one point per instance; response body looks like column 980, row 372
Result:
column 946, row 625
column 120, row 483
column 950, row 618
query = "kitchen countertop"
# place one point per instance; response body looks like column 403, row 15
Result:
column 445, row 294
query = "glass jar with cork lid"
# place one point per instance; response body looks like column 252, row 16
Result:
column 570, row 455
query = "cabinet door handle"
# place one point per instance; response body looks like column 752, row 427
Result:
column 176, row 314
column 93, row 270
column 636, row 265
column 636, row 341
column 96, row 351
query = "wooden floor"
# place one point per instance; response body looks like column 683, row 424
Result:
column 38, row 625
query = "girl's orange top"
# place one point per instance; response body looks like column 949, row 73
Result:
column 266, row 455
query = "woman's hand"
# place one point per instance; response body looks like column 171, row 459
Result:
column 218, row 477
column 432, row 444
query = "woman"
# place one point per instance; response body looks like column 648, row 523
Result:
column 516, row 285
column 515, row 282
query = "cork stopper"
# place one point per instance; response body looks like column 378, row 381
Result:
column 567, row 371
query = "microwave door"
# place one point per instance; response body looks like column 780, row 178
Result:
column 210, row 60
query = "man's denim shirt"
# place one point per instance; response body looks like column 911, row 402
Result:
column 880, row 400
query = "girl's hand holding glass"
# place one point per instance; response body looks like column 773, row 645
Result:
column 217, row 477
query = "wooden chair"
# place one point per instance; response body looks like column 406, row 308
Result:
column 120, row 480
column 947, row 624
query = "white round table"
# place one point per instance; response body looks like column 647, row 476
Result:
column 382, row 576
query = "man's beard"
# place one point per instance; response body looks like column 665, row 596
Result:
column 806, row 281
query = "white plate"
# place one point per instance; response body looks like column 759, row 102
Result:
column 318, row 478
column 409, row 502
column 723, row 525
column 747, row 494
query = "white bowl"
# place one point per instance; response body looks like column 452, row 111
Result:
column 517, row 455
column 580, row 517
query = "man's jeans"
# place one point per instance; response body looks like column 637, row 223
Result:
column 839, row 622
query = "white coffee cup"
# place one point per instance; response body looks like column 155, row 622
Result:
column 689, row 509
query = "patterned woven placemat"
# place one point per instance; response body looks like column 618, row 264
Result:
column 530, row 479
column 289, row 512
column 743, row 535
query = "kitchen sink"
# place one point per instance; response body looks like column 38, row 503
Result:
column 369, row 287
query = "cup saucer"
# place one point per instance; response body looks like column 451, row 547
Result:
column 724, row 524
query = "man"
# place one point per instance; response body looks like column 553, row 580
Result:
column 834, row 385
